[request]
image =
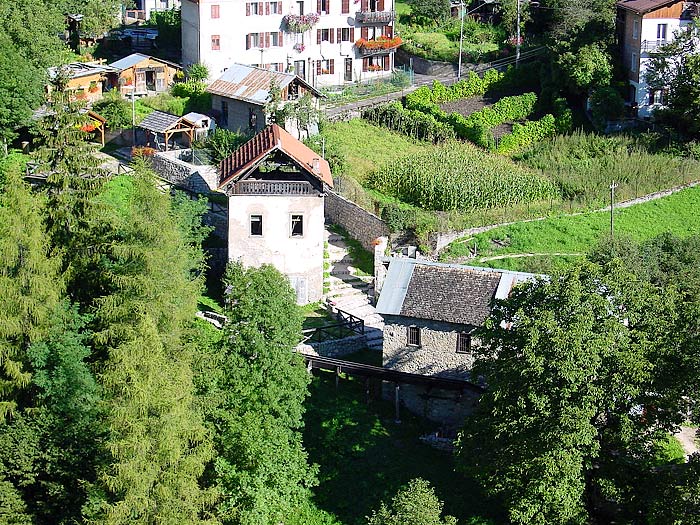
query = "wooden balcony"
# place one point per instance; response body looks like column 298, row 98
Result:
column 375, row 17
column 273, row 187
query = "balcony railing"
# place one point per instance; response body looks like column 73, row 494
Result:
column 273, row 187
column 375, row 17
column 650, row 46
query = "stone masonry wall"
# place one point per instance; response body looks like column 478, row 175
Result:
column 437, row 354
column 334, row 348
column 447, row 407
column 359, row 223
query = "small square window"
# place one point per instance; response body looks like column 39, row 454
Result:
column 256, row 228
column 215, row 42
column 215, row 11
column 297, row 225
column 413, row 336
column 464, row 343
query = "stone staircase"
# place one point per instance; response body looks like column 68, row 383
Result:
column 348, row 289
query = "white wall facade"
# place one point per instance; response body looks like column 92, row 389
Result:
column 208, row 24
column 300, row 258
column 648, row 43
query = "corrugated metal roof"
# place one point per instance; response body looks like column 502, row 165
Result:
column 80, row 69
column 268, row 140
column 129, row 61
column 252, row 84
column 159, row 121
column 444, row 292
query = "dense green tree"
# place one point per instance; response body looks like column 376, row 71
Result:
column 415, row 504
column 586, row 67
column 433, row 10
column 261, row 466
column 115, row 109
column 99, row 16
column 158, row 443
column 30, row 287
column 569, row 363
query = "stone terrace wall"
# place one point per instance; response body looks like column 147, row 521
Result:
column 358, row 222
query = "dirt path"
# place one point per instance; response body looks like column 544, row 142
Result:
column 688, row 438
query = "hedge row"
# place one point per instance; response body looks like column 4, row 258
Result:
column 527, row 134
column 468, row 87
column 411, row 122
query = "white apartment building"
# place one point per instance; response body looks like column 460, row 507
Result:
column 643, row 26
column 325, row 42
column 142, row 9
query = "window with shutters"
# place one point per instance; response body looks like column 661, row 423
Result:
column 326, row 67
column 276, row 8
column 253, row 8
column 464, row 343
column 325, row 35
column 215, row 42
column 345, row 7
column 413, row 336
column 345, row 34
column 215, row 11
column 376, row 63
column 275, row 39
column 254, row 40
column 324, row 6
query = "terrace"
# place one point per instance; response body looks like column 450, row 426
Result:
column 273, row 187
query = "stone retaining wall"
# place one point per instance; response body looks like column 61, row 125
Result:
column 447, row 407
column 362, row 225
column 423, row 66
column 334, row 348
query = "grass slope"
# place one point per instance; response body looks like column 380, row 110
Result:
column 364, row 457
column 676, row 213
column 367, row 147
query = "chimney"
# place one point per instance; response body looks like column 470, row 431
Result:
column 316, row 165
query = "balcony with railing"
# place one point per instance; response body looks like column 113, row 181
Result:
column 652, row 46
column 273, row 187
column 378, row 46
column 375, row 17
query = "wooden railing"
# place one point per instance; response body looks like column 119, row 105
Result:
column 375, row 17
column 346, row 326
column 272, row 187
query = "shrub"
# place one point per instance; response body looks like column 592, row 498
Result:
column 459, row 177
column 564, row 119
column 222, row 143
column 197, row 73
column 606, row 104
column 527, row 134
column 166, row 102
column 115, row 109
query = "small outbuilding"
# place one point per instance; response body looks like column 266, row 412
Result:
column 85, row 79
column 142, row 75
column 239, row 95
column 161, row 129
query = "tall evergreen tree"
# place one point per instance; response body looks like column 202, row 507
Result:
column 158, row 443
column 30, row 286
column 261, row 466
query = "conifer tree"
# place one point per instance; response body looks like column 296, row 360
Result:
column 30, row 287
column 74, row 179
column 261, row 466
column 158, row 443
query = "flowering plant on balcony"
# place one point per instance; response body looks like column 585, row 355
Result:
column 88, row 128
column 325, row 71
column 93, row 87
column 299, row 48
column 300, row 23
column 374, row 67
column 381, row 42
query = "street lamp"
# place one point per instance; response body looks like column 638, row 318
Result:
column 461, row 29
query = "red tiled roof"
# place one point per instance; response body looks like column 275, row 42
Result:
column 268, row 140
column 644, row 6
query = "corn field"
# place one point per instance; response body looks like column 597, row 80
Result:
column 460, row 177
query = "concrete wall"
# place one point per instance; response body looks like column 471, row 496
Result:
column 447, row 407
column 358, row 222
column 233, row 25
column 296, row 257
column 437, row 355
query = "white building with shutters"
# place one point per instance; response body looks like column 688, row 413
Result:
column 325, row 42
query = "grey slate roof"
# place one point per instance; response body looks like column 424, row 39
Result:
column 444, row 292
column 159, row 122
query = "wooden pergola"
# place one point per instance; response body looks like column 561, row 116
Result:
column 167, row 125
column 99, row 122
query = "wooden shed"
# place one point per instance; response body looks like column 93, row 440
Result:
column 142, row 75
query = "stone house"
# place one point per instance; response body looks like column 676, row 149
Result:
column 239, row 95
column 431, row 311
column 276, row 188
column 325, row 42
column 142, row 75
column 642, row 27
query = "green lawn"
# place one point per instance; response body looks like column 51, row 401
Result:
column 677, row 213
column 364, row 456
column 367, row 147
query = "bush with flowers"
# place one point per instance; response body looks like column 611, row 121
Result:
column 381, row 42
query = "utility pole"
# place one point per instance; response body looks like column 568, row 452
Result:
column 461, row 37
column 133, row 115
column 517, row 38
column 612, row 208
